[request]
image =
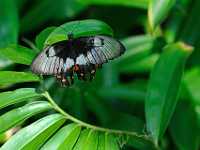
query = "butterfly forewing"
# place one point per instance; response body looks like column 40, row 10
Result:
column 83, row 51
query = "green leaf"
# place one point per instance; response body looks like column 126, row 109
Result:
column 126, row 122
column 4, row 62
column 163, row 88
column 191, row 83
column 88, row 140
column 8, row 23
column 78, row 28
column 40, row 39
column 188, row 34
column 65, row 138
column 130, row 3
column 17, row 96
column 142, row 66
column 125, row 92
column 18, row 54
column 81, row 140
column 158, row 11
column 111, row 142
column 12, row 77
column 18, row 115
column 91, row 142
column 34, row 135
column 101, row 145
column 60, row 11
column 137, row 48
column 181, row 126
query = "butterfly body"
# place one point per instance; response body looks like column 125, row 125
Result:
column 81, row 55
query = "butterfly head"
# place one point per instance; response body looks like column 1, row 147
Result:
column 70, row 36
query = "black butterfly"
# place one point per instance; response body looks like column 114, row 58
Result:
column 81, row 55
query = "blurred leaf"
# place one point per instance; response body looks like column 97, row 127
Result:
column 175, row 20
column 18, row 54
column 40, row 39
column 12, row 77
column 184, row 128
column 62, row 9
column 192, row 84
column 34, row 135
column 78, row 28
column 3, row 138
column 163, row 88
column 189, row 31
column 158, row 11
column 18, row 115
column 137, row 48
column 126, row 122
column 142, row 66
column 17, row 96
column 130, row 3
column 139, row 143
column 124, row 92
column 8, row 23
column 65, row 138
column 98, row 107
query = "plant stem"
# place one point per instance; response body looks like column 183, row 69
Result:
column 73, row 119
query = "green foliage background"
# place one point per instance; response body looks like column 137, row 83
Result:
column 146, row 99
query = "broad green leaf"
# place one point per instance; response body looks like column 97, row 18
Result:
column 17, row 96
column 65, row 138
column 61, row 10
column 164, row 84
column 40, row 39
column 111, row 142
column 91, row 141
column 78, row 28
column 88, row 140
column 81, row 140
column 12, row 77
column 8, row 23
column 18, row 54
column 158, row 11
column 130, row 3
column 184, row 128
column 18, row 115
column 191, row 83
column 34, row 135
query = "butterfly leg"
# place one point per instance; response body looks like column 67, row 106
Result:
column 70, row 76
column 62, row 79
column 92, row 71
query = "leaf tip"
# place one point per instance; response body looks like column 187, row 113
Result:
column 186, row 47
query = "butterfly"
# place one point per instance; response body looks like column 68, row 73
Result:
column 81, row 56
